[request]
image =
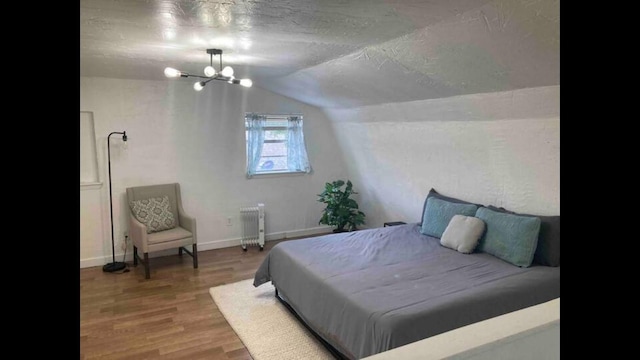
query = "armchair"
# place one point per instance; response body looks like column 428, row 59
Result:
column 183, row 234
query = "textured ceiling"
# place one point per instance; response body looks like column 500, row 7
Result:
column 331, row 53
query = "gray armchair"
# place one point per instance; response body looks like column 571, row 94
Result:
column 182, row 235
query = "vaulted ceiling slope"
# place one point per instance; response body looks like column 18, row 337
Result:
column 332, row 53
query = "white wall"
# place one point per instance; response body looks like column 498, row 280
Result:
column 499, row 148
column 93, row 228
column 197, row 139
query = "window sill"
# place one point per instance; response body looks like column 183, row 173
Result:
column 278, row 174
column 90, row 186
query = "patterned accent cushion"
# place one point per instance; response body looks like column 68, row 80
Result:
column 154, row 213
column 462, row 233
column 512, row 238
column 438, row 214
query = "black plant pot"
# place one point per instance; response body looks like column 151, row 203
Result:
column 340, row 230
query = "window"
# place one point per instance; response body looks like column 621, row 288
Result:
column 275, row 144
column 88, row 157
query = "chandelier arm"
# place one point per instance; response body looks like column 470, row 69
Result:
column 199, row 76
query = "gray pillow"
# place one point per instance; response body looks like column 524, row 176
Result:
column 154, row 213
column 548, row 250
column 510, row 237
column 433, row 193
column 462, row 233
column 439, row 212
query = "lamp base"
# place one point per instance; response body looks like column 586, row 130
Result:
column 114, row 266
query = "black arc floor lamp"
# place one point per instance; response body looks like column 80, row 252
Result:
column 113, row 266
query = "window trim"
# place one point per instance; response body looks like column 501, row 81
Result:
column 90, row 185
column 278, row 173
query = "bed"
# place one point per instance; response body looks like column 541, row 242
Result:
column 369, row 291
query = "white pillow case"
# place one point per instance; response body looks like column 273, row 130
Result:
column 462, row 233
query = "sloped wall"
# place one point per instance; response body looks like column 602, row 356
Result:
column 494, row 46
column 498, row 148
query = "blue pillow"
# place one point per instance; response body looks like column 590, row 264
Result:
column 437, row 195
column 512, row 238
column 548, row 250
column 438, row 213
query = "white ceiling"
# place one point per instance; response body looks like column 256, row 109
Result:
column 331, row 53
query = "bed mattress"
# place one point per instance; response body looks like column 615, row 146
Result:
column 373, row 290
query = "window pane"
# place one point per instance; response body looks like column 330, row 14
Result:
column 276, row 134
column 282, row 123
column 272, row 163
column 274, row 149
column 88, row 154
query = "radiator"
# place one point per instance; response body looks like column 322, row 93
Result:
column 252, row 219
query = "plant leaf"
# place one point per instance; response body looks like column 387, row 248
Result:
column 340, row 210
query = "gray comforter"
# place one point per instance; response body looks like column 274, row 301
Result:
column 373, row 290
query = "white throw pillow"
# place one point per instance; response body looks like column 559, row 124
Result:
column 462, row 233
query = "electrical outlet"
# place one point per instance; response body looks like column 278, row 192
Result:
column 229, row 221
column 125, row 241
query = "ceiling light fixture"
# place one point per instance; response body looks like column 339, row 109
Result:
column 225, row 74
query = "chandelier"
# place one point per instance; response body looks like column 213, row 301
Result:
column 225, row 74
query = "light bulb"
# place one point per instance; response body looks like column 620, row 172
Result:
column 209, row 71
column 125, row 145
column 198, row 85
column 171, row 73
column 227, row 71
column 246, row 82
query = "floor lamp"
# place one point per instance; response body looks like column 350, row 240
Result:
column 113, row 266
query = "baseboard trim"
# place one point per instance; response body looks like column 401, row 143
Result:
column 297, row 233
column 203, row 246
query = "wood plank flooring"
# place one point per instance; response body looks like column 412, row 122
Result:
column 171, row 315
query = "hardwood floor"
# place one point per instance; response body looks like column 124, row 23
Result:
column 171, row 315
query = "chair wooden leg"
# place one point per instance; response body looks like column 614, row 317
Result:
column 146, row 266
column 180, row 251
column 135, row 256
column 195, row 256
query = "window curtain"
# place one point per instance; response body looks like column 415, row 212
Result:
column 296, row 151
column 254, row 125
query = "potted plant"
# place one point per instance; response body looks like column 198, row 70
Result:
column 341, row 211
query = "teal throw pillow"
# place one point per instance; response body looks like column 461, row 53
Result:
column 438, row 214
column 512, row 238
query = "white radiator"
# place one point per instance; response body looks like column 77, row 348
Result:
column 252, row 219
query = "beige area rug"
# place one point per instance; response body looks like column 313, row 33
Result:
column 266, row 327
